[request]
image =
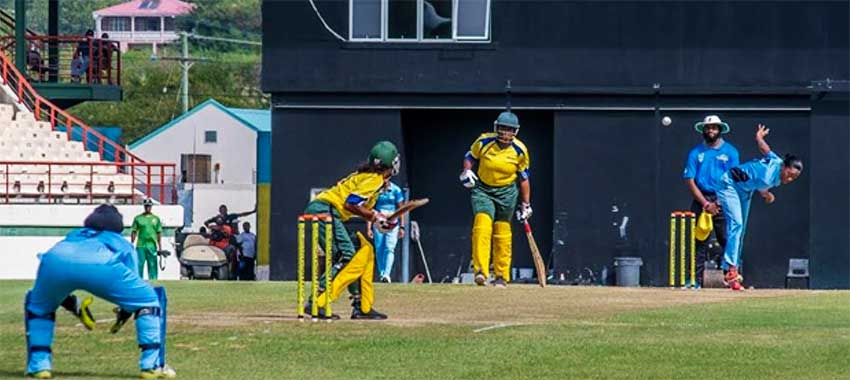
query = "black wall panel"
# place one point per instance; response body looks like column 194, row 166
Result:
column 436, row 141
column 612, row 165
column 830, row 192
column 568, row 43
column 314, row 149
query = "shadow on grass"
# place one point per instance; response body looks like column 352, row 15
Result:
column 5, row 373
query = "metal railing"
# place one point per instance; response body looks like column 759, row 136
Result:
column 69, row 59
column 83, row 182
column 44, row 110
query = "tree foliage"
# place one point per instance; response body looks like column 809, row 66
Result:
column 152, row 91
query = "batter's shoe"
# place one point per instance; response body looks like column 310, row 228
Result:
column 500, row 283
column 371, row 315
column 480, row 280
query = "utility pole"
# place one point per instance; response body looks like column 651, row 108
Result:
column 186, row 62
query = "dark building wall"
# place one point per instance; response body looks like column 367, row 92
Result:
column 436, row 142
column 590, row 170
column 830, row 191
column 315, row 150
column 568, row 43
column 582, row 73
column 611, row 165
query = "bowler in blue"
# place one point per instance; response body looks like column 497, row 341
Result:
column 735, row 192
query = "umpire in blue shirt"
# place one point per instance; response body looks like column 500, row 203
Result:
column 707, row 162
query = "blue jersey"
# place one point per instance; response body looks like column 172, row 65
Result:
column 761, row 173
column 706, row 164
column 86, row 245
column 389, row 199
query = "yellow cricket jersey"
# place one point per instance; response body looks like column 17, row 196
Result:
column 357, row 188
column 499, row 167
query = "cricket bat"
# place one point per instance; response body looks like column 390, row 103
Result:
column 535, row 254
column 408, row 207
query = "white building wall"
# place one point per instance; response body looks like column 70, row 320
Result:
column 37, row 226
column 235, row 151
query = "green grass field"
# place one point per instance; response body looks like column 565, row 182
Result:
column 221, row 330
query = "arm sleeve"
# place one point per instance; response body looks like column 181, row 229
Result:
column 135, row 226
column 401, row 198
column 158, row 226
column 690, row 166
column 524, row 168
column 474, row 150
column 773, row 156
column 366, row 189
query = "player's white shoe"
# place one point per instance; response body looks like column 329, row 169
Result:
column 165, row 372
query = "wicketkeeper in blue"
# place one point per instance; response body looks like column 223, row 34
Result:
column 99, row 260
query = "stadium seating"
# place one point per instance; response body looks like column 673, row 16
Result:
column 38, row 164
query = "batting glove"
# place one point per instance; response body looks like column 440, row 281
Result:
column 468, row 178
column 383, row 224
column 523, row 212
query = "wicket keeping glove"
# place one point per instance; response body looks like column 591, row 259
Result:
column 121, row 317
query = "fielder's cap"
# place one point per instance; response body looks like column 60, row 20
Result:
column 712, row 120
column 105, row 218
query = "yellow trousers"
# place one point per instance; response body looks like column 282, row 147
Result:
column 361, row 267
column 487, row 234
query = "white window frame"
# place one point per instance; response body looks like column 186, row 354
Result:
column 419, row 26
column 383, row 23
column 486, row 36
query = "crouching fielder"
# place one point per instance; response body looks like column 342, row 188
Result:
column 502, row 160
column 735, row 191
column 99, row 260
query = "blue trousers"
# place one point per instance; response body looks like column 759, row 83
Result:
column 736, row 209
column 385, row 244
column 61, row 273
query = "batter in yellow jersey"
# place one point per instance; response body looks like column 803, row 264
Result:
column 355, row 195
column 500, row 177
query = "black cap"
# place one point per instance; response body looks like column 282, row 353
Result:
column 105, row 218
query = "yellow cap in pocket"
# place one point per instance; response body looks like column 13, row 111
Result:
column 704, row 226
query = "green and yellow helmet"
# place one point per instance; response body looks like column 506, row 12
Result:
column 507, row 119
column 386, row 154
